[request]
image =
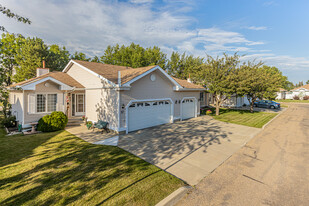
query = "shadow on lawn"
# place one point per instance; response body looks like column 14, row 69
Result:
column 77, row 167
column 16, row 147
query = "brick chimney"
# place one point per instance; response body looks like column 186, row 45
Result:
column 43, row 70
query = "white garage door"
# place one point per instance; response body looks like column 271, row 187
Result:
column 188, row 108
column 147, row 114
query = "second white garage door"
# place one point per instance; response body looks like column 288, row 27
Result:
column 188, row 108
column 148, row 113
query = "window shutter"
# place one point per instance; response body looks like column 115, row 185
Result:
column 31, row 103
column 59, row 102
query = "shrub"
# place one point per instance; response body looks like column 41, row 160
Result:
column 9, row 121
column 296, row 97
column 53, row 122
column 306, row 97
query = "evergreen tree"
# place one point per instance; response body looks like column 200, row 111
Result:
column 29, row 57
column 57, row 57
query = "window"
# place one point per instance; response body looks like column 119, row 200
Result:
column 46, row 102
column 202, row 96
column 41, row 103
column 51, row 102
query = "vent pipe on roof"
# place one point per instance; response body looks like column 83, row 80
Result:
column 189, row 79
column 119, row 78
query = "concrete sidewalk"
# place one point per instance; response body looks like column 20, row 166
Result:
column 189, row 149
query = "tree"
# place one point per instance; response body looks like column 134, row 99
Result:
column 95, row 59
column 7, row 12
column 257, row 81
column 181, row 66
column 218, row 75
column 29, row 57
column 80, row 56
column 9, row 46
column 133, row 56
column 307, row 82
column 57, row 57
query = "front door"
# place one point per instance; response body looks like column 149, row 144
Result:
column 78, row 104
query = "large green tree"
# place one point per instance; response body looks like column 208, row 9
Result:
column 257, row 81
column 29, row 57
column 57, row 57
column 9, row 46
column 133, row 56
column 80, row 56
column 182, row 65
column 218, row 75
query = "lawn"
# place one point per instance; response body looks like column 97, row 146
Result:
column 243, row 117
column 293, row 101
column 60, row 169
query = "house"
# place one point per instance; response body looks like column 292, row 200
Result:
column 299, row 91
column 129, row 99
column 281, row 94
column 232, row 101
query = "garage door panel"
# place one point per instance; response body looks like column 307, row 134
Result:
column 148, row 114
column 188, row 108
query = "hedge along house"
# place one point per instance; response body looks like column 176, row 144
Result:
column 129, row 99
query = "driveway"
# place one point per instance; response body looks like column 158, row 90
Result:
column 272, row 169
column 189, row 149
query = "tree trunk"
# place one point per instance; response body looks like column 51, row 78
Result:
column 218, row 104
column 253, row 99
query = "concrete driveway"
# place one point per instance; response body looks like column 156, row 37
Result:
column 189, row 149
column 272, row 169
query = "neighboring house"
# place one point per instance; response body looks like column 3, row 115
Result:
column 129, row 99
column 233, row 101
column 281, row 94
column 299, row 91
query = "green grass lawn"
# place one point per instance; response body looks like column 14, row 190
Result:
column 242, row 117
column 60, row 169
column 293, row 101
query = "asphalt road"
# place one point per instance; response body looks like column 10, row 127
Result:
column 272, row 169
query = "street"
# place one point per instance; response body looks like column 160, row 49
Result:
column 272, row 169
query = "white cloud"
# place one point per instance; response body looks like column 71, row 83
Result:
column 141, row 1
column 89, row 26
column 257, row 28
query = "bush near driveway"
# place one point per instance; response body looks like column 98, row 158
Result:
column 60, row 169
column 243, row 117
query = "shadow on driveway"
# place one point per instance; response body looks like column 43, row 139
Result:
column 189, row 149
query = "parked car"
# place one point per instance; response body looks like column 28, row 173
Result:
column 267, row 104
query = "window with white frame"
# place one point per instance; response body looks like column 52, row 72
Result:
column 46, row 102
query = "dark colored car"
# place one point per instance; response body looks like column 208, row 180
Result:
column 267, row 104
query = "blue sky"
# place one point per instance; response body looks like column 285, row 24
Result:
column 273, row 31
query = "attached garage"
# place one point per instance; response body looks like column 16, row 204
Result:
column 147, row 113
column 188, row 108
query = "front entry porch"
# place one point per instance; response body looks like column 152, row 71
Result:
column 76, row 104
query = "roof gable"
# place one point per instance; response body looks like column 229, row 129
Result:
column 306, row 87
column 110, row 73
column 58, row 77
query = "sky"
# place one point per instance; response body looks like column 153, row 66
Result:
column 273, row 31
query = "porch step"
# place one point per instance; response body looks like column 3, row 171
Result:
column 75, row 122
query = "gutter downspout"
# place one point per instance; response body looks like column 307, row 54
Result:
column 119, row 102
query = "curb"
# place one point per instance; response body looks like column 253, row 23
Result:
column 265, row 125
column 173, row 198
